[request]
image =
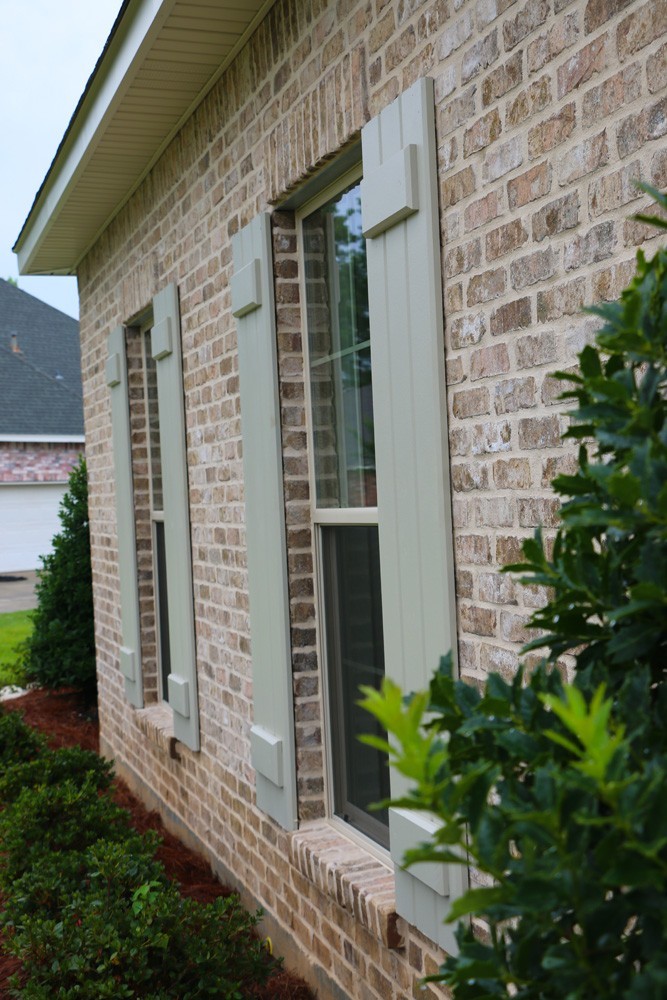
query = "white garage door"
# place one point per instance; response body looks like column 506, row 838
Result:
column 28, row 522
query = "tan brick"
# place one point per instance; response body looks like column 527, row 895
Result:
column 591, row 247
column 502, row 158
column 589, row 155
column 486, row 286
column 460, row 185
column 609, row 283
column 512, row 473
column 528, row 102
column 548, row 134
column 561, row 36
column 479, row 212
column 497, row 588
column 502, row 79
column 609, row 96
column 608, row 193
column 642, row 127
column 561, row 300
column 531, row 16
column 463, row 258
column 488, row 361
column 467, row 331
column 457, row 112
column 485, row 131
column 505, row 239
column 580, row 67
column 656, row 70
column 495, row 513
column 640, row 28
column 479, row 56
column 556, row 217
column 478, row 621
column 471, row 402
column 533, row 184
column 473, row 549
column 455, row 35
column 539, row 432
column 470, row 476
column 659, row 169
column 514, row 315
column 535, row 511
column 508, row 550
column 532, row 269
column 536, row 349
column 514, row 394
column 491, row 437
column 599, row 12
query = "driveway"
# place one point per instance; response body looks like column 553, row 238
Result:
column 17, row 591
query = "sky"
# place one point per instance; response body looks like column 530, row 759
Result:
column 47, row 52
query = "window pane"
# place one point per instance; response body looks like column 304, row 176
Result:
column 339, row 353
column 355, row 657
column 153, row 421
column 162, row 606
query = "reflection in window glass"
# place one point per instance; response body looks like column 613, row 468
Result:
column 339, row 353
column 355, row 657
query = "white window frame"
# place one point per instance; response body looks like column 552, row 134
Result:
column 322, row 517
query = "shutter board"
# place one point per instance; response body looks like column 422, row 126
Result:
column 129, row 653
column 272, row 735
column 412, row 459
column 182, row 682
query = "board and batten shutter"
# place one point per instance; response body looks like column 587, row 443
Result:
column 401, row 223
column 130, row 648
column 182, row 681
column 272, row 734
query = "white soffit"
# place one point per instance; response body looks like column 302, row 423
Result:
column 162, row 59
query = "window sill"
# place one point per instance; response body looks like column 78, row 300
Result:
column 157, row 724
column 350, row 875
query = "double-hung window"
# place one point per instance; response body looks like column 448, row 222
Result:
column 344, row 496
column 156, row 501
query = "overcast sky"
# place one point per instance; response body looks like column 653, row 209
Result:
column 47, row 52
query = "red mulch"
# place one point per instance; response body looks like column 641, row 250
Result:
column 66, row 722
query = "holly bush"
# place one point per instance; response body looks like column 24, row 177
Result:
column 555, row 790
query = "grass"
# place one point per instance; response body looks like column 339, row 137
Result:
column 15, row 626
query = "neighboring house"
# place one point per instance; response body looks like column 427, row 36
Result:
column 271, row 207
column 41, row 423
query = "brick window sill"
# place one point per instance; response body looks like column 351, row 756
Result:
column 157, row 724
column 352, row 876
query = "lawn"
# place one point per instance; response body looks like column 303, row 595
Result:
column 15, row 626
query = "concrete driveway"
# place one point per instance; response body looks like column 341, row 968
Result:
column 17, row 591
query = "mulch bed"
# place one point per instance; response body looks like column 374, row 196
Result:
column 66, row 722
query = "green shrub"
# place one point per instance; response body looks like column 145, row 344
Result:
column 109, row 924
column 54, row 767
column 556, row 790
column 67, row 816
column 18, row 742
column 60, row 652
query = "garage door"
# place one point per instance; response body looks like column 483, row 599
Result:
column 28, row 522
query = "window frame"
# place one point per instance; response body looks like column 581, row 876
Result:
column 328, row 517
column 156, row 515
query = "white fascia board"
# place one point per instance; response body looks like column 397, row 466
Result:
column 135, row 34
column 43, row 438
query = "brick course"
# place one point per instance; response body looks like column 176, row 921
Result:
column 546, row 114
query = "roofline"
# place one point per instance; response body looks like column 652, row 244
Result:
column 135, row 30
column 43, row 438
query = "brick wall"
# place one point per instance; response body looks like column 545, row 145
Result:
column 22, row 462
column 546, row 112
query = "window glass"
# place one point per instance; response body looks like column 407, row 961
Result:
column 355, row 655
column 339, row 353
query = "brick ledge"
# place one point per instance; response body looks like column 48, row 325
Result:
column 157, row 724
column 353, row 877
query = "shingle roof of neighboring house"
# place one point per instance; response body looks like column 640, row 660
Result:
column 40, row 367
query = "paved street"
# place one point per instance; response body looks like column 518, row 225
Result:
column 17, row 591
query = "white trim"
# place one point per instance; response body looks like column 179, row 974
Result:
column 43, row 438
column 133, row 42
column 345, row 515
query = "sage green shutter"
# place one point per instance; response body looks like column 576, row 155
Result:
column 401, row 223
column 130, row 648
column 272, row 735
column 182, row 681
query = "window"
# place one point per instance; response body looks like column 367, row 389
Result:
column 156, row 503
column 344, row 495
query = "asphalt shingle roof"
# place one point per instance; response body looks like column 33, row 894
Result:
column 40, row 387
